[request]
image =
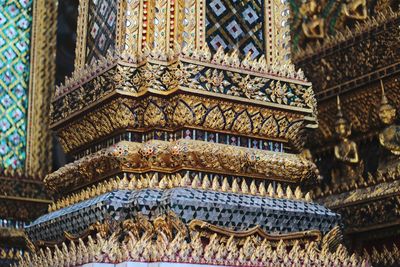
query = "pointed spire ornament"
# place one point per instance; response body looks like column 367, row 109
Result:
column 235, row 186
column 244, row 187
column 215, row 184
column 279, row 191
column 387, row 113
column 185, row 182
column 261, row 189
column 196, row 183
column 253, row 188
column 225, row 185
column 270, row 190
column 164, row 182
column 154, row 181
column 206, row 183
column 384, row 99
column 339, row 115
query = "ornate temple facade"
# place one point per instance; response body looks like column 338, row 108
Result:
column 197, row 139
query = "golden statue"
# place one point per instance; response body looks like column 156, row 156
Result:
column 389, row 137
column 355, row 9
column 348, row 164
column 313, row 26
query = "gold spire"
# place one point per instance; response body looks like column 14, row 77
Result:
column 385, row 105
column 339, row 116
column 387, row 113
column 384, row 98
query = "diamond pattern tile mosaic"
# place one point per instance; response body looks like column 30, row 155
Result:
column 15, row 25
column 235, row 24
column 224, row 209
column 101, row 30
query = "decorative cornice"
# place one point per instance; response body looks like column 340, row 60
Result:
column 167, row 239
column 362, row 195
column 182, row 111
column 221, row 76
column 371, row 216
column 182, row 155
column 365, row 204
column 28, row 209
column 203, row 56
column 28, row 195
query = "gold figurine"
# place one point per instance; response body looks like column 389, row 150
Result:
column 356, row 9
column 313, row 26
column 389, row 137
column 348, row 164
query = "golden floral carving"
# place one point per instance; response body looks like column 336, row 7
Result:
column 183, row 114
column 242, row 123
column 215, row 119
column 111, row 117
column 154, row 115
column 214, row 80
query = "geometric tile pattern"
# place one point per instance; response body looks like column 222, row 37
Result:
column 102, row 21
column 236, row 24
column 241, row 212
column 15, row 34
column 224, row 209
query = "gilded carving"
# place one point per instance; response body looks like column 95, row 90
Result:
column 41, row 81
column 349, row 166
column 314, row 25
column 116, row 72
column 215, row 119
column 389, row 137
column 355, row 9
column 167, row 239
column 114, row 116
column 366, row 110
column 183, row 154
column 182, row 110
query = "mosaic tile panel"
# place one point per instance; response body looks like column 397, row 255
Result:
column 224, row 209
column 15, row 26
column 235, row 24
column 102, row 21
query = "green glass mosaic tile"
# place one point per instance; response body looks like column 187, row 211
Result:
column 15, row 34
